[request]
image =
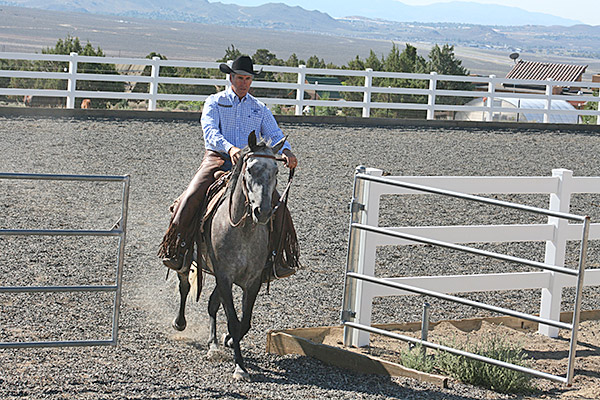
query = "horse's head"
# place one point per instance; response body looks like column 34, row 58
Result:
column 260, row 177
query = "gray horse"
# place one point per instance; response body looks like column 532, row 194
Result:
column 236, row 245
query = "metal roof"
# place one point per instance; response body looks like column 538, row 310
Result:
column 541, row 71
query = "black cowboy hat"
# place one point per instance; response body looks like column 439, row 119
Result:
column 241, row 66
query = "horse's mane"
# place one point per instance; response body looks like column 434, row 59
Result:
column 237, row 168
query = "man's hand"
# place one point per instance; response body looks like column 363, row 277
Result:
column 290, row 159
column 234, row 154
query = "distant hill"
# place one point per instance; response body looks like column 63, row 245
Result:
column 483, row 49
column 443, row 11
column 273, row 15
column 543, row 41
column 281, row 16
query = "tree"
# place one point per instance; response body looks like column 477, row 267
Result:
column 176, row 72
column 292, row 61
column 72, row 45
column 373, row 62
column 265, row 57
column 396, row 61
column 410, row 61
column 315, row 62
column 591, row 105
column 231, row 53
column 443, row 61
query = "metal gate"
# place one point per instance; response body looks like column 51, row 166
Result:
column 356, row 278
column 118, row 230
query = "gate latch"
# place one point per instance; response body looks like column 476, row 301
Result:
column 347, row 315
column 355, row 206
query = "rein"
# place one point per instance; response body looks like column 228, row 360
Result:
column 282, row 198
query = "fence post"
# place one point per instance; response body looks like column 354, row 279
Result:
column 431, row 96
column 366, row 112
column 555, row 251
column 362, row 260
column 598, row 108
column 300, row 90
column 490, row 98
column 154, row 74
column 228, row 76
column 72, row 80
column 549, row 87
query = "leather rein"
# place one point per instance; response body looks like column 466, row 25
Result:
column 282, row 198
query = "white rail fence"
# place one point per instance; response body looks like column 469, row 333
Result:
column 560, row 186
column 433, row 93
column 362, row 286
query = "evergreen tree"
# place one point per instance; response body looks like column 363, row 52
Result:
column 176, row 72
column 315, row 62
column 443, row 61
column 292, row 61
column 410, row 61
column 71, row 45
column 373, row 62
column 231, row 53
column 265, row 57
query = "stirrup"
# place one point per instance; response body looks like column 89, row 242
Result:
column 179, row 264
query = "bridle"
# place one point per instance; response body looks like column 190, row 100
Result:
column 282, row 198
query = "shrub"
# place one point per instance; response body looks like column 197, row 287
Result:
column 490, row 376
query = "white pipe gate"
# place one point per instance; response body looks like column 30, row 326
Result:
column 361, row 285
column 118, row 229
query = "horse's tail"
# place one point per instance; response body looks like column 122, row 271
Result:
column 195, row 279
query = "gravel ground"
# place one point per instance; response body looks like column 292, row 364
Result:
column 152, row 361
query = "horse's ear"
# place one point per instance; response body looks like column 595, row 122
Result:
column 279, row 145
column 252, row 140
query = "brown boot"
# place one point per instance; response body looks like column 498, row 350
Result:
column 181, row 263
column 281, row 271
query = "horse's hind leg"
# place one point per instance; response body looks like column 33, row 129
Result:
column 214, row 302
column 179, row 323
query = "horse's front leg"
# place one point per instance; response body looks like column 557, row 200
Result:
column 248, row 300
column 234, row 328
column 179, row 323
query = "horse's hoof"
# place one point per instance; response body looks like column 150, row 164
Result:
column 227, row 341
column 179, row 326
column 240, row 375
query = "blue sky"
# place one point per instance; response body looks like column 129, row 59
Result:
column 586, row 11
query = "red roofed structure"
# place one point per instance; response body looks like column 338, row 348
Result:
column 542, row 71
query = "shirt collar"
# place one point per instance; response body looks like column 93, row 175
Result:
column 234, row 97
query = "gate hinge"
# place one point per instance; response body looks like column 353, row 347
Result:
column 347, row 315
column 355, row 206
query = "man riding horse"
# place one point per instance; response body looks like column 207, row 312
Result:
column 227, row 119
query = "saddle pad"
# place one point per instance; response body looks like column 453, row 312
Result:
column 214, row 196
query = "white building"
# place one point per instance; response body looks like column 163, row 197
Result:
column 525, row 111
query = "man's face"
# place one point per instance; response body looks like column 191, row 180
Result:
column 241, row 84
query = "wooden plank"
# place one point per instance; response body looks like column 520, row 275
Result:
column 286, row 343
column 309, row 342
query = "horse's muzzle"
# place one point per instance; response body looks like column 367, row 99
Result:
column 261, row 216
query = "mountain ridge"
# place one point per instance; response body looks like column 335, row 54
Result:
column 277, row 13
column 573, row 41
column 29, row 30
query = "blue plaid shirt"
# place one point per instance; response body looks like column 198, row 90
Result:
column 227, row 121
